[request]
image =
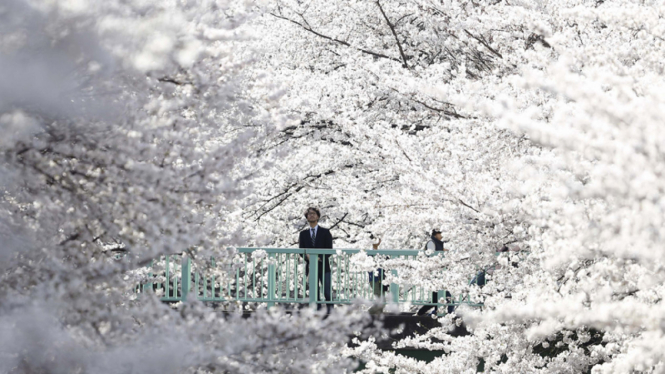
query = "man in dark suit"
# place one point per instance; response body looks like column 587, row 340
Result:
column 318, row 237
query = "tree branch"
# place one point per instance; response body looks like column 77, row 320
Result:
column 467, row 205
column 444, row 111
column 338, row 222
column 392, row 28
column 342, row 42
column 172, row 81
column 483, row 42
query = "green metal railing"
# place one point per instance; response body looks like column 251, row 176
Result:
column 278, row 275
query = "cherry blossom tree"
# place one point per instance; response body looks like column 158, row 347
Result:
column 526, row 124
column 148, row 128
column 131, row 129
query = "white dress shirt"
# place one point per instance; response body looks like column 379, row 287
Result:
column 316, row 229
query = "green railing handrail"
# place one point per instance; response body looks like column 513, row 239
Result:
column 291, row 283
column 389, row 252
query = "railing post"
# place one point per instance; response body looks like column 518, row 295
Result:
column 394, row 288
column 313, row 279
column 441, row 294
column 184, row 276
column 167, row 282
column 145, row 286
column 271, row 280
column 150, row 276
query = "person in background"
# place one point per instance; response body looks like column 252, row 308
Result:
column 435, row 244
column 316, row 236
column 376, row 279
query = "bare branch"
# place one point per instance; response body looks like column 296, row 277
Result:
column 440, row 110
column 483, row 42
column 342, row 42
column 468, row 206
column 392, row 28
column 338, row 222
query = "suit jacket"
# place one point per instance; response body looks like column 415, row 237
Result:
column 323, row 240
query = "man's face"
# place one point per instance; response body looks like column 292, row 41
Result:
column 438, row 236
column 312, row 216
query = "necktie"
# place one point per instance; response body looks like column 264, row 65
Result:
column 313, row 235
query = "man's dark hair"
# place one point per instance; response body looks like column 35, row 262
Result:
column 318, row 213
column 435, row 231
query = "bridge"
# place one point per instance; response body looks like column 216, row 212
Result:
column 278, row 275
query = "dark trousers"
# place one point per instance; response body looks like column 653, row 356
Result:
column 325, row 281
column 435, row 297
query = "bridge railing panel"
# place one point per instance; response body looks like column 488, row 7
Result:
column 278, row 275
column 164, row 278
